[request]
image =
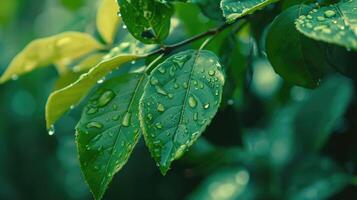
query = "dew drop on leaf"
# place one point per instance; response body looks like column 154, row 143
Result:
column 126, row 119
column 51, row 130
column 160, row 107
column 106, row 97
column 192, row 102
column 94, row 124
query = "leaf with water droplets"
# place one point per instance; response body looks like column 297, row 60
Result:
column 336, row 24
column 61, row 100
column 108, row 20
column 296, row 58
column 61, row 48
column 233, row 9
column 148, row 21
column 177, row 107
column 109, row 130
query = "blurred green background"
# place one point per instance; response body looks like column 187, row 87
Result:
column 270, row 140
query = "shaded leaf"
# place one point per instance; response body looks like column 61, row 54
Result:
column 316, row 179
column 61, row 48
column 179, row 101
column 108, row 20
column 293, row 56
column 148, row 21
column 61, row 100
column 318, row 115
column 225, row 184
column 336, row 24
column 109, row 130
column 233, row 9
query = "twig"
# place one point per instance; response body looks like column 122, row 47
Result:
column 167, row 49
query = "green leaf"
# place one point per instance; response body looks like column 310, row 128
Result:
column 61, row 48
column 108, row 20
column 210, row 8
column 147, row 20
column 88, row 62
column 225, row 184
column 318, row 116
column 233, row 9
column 179, row 101
column 296, row 58
column 62, row 100
column 316, row 179
column 336, row 24
column 109, row 130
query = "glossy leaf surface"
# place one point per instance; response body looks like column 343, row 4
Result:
column 109, row 130
column 336, row 24
column 179, row 101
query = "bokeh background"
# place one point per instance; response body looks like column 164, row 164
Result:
column 259, row 145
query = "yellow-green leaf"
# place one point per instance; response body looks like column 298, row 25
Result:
column 61, row 48
column 62, row 100
column 108, row 20
column 88, row 62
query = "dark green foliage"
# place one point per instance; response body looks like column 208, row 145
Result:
column 248, row 97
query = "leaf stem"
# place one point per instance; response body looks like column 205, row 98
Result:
column 211, row 32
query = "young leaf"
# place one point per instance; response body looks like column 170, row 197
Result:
column 55, row 49
column 336, row 24
column 61, row 100
column 109, row 130
column 147, row 20
column 108, row 20
column 294, row 57
column 233, row 9
column 179, row 101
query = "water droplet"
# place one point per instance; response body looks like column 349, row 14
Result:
column 91, row 110
column 330, row 13
column 125, row 27
column 126, row 119
column 115, row 117
column 158, row 125
column 154, row 81
column 160, row 107
column 162, row 70
column 106, row 97
column 100, row 81
column 176, row 86
column 93, row 124
column 14, row 77
column 51, row 130
column 170, row 96
column 192, row 102
column 185, row 85
column 206, row 106
column 160, row 90
column 149, row 116
column 195, row 116
column 115, row 107
column 320, row 18
column 211, row 72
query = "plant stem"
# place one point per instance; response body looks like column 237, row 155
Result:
column 211, row 32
